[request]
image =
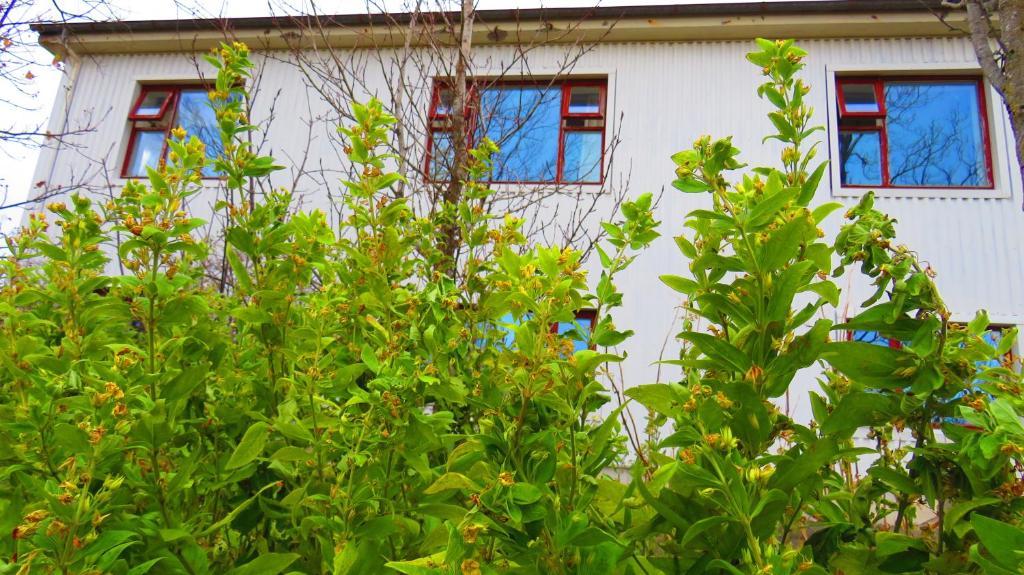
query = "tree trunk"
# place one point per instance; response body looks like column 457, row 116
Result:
column 460, row 131
column 1011, row 34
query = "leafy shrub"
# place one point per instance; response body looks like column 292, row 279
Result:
column 357, row 402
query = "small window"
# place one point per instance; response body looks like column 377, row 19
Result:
column 156, row 112
column 913, row 133
column 874, row 338
column 547, row 132
column 578, row 330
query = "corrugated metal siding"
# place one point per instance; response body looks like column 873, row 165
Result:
column 667, row 95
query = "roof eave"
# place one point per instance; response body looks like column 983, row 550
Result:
column 820, row 19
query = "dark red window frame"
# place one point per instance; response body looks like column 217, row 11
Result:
column 166, row 118
column 879, row 83
column 435, row 118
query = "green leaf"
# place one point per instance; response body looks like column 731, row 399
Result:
column 957, row 512
column 690, row 185
column 990, row 567
column 422, row 566
column 266, row 564
column 699, row 527
column 370, row 358
column 718, row 350
column 143, row 568
column 659, row 397
column 979, row 324
column 784, row 244
column 791, row 472
column 808, row 189
column 768, row 208
column 290, row 453
column 452, row 481
column 239, row 270
column 867, row 364
column 250, row 447
column 821, row 212
column 720, row 564
column 1001, row 540
column 896, row 479
column 859, row 409
column 525, row 493
column 892, row 543
column 679, row 284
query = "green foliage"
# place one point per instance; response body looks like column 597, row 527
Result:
column 348, row 407
column 358, row 402
column 751, row 491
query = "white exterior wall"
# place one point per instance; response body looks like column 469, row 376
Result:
column 667, row 94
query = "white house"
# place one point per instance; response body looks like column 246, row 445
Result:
column 615, row 92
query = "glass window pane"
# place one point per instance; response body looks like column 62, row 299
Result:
column 152, row 102
column 442, row 154
column 524, row 122
column 146, row 151
column 195, row 114
column 585, row 100
column 582, row 157
column 872, row 337
column 859, row 98
column 934, row 132
column 860, row 158
column 445, row 102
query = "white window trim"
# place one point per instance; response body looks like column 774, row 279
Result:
column 998, row 134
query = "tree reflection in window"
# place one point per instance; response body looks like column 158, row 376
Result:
column 156, row 112
column 547, row 131
column 928, row 133
column 523, row 122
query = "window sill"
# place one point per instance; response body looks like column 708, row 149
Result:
column 537, row 187
column 933, row 193
column 204, row 179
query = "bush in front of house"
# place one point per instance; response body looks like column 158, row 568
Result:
column 357, row 400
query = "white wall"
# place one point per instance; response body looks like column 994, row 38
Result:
column 667, row 95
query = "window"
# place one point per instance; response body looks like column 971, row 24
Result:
column 157, row 110
column 578, row 330
column 548, row 132
column 913, row 132
column 992, row 336
column 874, row 338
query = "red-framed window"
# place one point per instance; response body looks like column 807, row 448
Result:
column 157, row 110
column 874, row 338
column 579, row 330
column 913, row 132
column 548, row 132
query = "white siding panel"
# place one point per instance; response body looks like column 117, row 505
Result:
column 667, row 94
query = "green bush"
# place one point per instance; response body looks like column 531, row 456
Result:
column 358, row 403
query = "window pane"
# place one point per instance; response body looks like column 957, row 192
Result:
column 445, row 102
column 195, row 114
column 524, row 122
column 582, row 157
column 872, row 337
column 860, row 158
column 934, row 134
column 442, row 154
column 585, row 100
column 859, row 98
column 146, row 150
column 152, row 102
